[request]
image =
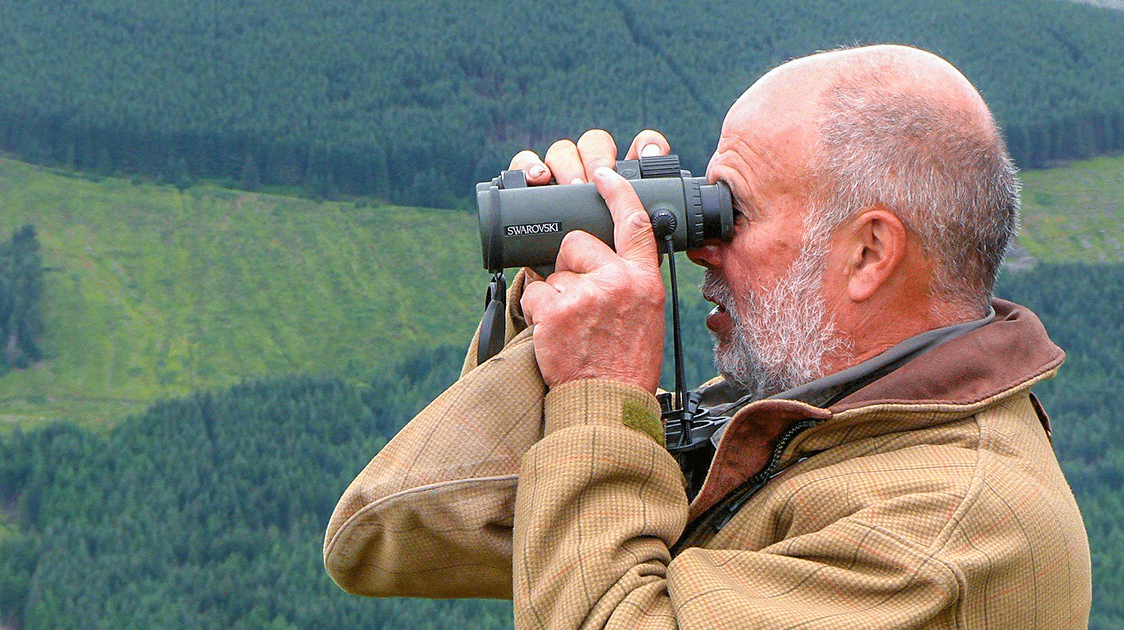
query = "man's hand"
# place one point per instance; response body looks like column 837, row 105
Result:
column 600, row 314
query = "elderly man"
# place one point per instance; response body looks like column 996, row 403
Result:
column 884, row 463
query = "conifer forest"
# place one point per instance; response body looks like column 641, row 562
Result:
column 332, row 140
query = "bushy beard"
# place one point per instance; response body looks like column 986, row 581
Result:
column 785, row 336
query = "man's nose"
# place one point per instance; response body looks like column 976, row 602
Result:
column 708, row 255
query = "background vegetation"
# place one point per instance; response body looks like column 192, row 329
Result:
column 150, row 291
column 21, row 307
column 1074, row 212
column 215, row 365
column 208, row 511
column 205, row 512
column 414, row 100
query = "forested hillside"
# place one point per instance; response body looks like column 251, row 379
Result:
column 414, row 100
column 150, row 292
column 208, row 512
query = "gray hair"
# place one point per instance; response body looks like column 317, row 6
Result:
column 950, row 181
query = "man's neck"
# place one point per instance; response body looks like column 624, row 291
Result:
column 824, row 392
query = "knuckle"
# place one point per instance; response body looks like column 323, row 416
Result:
column 524, row 158
column 564, row 145
column 598, row 137
column 636, row 223
column 639, row 219
column 527, row 302
column 571, row 239
column 655, row 294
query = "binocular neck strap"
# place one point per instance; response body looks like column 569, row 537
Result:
column 680, row 401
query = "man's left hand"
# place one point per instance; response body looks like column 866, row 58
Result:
column 600, row 314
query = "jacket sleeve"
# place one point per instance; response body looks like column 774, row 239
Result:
column 430, row 515
column 599, row 503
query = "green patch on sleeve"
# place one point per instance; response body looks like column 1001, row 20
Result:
column 641, row 418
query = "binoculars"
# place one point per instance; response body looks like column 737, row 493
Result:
column 523, row 226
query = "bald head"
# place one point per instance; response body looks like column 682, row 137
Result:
column 901, row 128
column 897, row 69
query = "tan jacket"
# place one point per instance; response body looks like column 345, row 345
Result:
column 929, row 499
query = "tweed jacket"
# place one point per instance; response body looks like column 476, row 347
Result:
column 930, row 498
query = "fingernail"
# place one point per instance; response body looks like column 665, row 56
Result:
column 537, row 171
column 650, row 150
column 577, row 180
column 603, row 172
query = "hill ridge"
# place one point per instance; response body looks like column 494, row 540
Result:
column 155, row 292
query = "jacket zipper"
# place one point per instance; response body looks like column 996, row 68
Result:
column 720, row 514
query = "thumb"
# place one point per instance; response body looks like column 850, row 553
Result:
column 632, row 228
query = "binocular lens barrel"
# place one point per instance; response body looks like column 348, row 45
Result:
column 523, row 226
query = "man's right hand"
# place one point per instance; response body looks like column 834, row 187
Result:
column 569, row 163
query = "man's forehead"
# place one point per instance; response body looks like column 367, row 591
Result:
column 783, row 101
column 782, row 120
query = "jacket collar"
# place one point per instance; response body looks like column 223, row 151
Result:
column 1004, row 355
column 993, row 361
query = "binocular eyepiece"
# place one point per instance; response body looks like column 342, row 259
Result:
column 523, row 226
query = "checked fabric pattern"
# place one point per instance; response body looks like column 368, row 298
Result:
column 430, row 515
column 965, row 522
column 929, row 499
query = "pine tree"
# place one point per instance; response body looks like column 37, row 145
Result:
column 21, row 289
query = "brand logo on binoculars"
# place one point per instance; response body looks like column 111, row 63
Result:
column 533, row 228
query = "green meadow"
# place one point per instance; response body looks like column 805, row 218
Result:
column 152, row 292
column 1075, row 213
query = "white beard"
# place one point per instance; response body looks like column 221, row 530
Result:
column 784, row 337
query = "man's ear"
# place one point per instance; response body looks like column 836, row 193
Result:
column 876, row 240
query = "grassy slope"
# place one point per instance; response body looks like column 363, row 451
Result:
column 152, row 292
column 1075, row 213
column 155, row 293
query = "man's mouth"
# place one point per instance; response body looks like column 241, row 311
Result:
column 716, row 292
column 718, row 320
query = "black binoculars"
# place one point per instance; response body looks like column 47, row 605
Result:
column 523, row 226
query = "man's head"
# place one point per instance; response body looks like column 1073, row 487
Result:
column 876, row 200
